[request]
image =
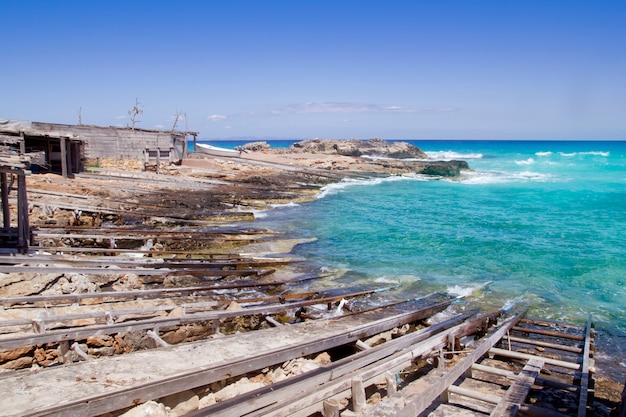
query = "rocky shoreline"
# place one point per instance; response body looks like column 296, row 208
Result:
column 205, row 194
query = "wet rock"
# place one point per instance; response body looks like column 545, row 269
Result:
column 444, row 168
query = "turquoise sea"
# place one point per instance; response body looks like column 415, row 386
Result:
column 536, row 223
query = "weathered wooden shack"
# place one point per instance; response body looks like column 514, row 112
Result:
column 15, row 233
column 64, row 148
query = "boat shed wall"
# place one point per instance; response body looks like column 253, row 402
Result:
column 115, row 142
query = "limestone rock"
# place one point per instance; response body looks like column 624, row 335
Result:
column 148, row 409
column 180, row 281
column 13, row 354
column 181, row 403
column 354, row 147
column 20, row 363
column 255, row 146
column 240, row 387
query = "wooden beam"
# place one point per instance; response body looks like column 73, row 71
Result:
column 572, row 349
column 303, row 395
column 6, row 209
column 63, row 143
column 88, row 331
column 77, row 298
column 23, row 225
column 525, row 356
column 410, row 405
column 257, row 350
column 584, row 372
column 548, row 333
column 518, row 391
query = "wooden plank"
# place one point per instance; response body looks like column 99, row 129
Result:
column 476, row 395
column 135, row 325
column 144, row 262
column 76, row 298
column 550, row 323
column 540, row 380
column 518, row 391
column 411, row 402
column 302, row 393
column 190, row 365
column 139, row 271
column 548, row 333
column 572, row 349
column 70, row 249
column 584, row 372
column 112, row 313
column 525, row 356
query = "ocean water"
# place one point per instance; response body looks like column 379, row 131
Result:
column 534, row 223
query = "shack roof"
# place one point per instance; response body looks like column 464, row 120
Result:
column 57, row 130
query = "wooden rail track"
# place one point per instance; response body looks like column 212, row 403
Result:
column 559, row 368
column 143, row 262
column 79, row 298
column 197, row 314
column 305, row 394
column 97, row 387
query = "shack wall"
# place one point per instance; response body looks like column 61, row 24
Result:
column 114, row 142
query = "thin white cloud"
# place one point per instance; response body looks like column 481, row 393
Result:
column 228, row 127
column 216, row 117
column 342, row 107
column 122, row 117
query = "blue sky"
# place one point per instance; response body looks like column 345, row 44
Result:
column 546, row 69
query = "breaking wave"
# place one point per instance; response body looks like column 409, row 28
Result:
column 451, row 155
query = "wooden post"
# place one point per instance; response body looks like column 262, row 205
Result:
column 360, row 345
column 23, row 225
column 6, row 210
column 158, row 162
column 22, row 144
column 330, row 408
column 392, row 384
column 64, row 351
column 358, row 395
column 68, row 149
column 63, row 156
column 146, row 158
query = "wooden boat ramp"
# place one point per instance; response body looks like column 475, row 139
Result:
column 404, row 358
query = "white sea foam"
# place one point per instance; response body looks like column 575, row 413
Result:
column 460, row 291
column 285, row 205
column 451, row 155
column 385, row 280
column 528, row 161
column 597, row 153
column 547, row 153
column 568, row 155
column 337, row 187
column 500, row 177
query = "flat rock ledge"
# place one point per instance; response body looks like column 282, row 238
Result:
column 374, row 155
